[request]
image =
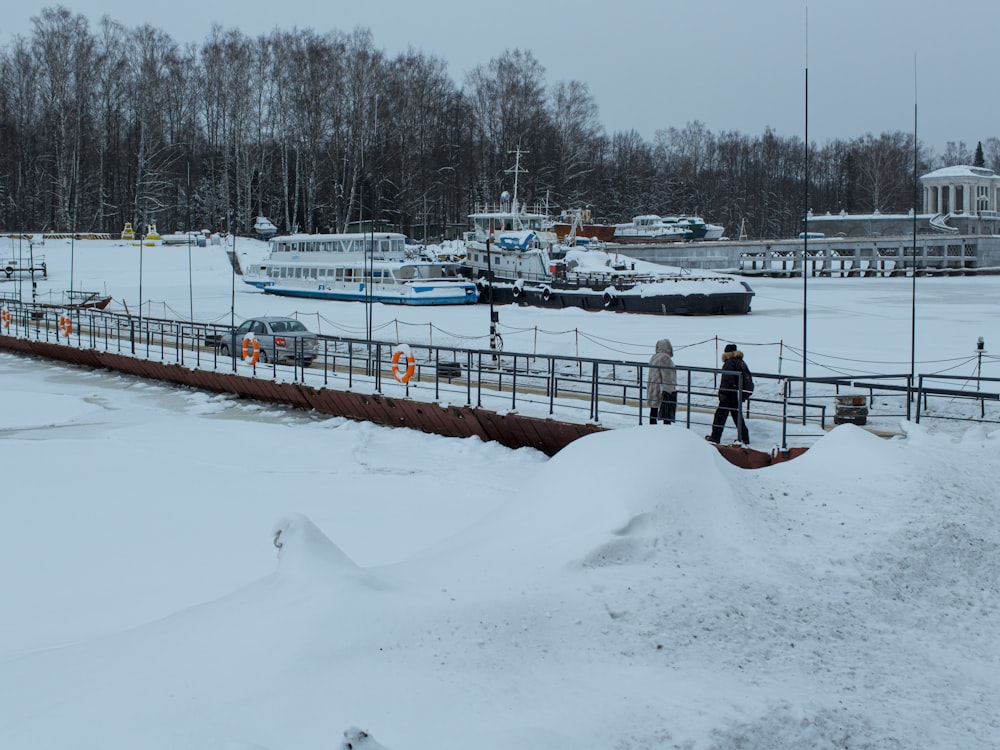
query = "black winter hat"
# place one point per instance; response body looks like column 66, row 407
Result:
column 730, row 348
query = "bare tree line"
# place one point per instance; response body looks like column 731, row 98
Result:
column 104, row 125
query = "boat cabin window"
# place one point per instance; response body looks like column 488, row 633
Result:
column 430, row 271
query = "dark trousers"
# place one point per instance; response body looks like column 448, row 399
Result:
column 719, row 422
column 667, row 410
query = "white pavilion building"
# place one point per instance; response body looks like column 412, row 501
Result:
column 973, row 191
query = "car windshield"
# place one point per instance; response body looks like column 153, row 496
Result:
column 286, row 326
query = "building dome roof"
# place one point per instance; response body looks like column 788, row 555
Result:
column 960, row 171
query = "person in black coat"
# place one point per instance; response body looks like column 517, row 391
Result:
column 730, row 396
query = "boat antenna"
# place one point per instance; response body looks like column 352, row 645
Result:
column 516, row 170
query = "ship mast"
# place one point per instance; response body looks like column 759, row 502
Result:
column 516, row 170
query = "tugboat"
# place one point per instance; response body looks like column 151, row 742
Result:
column 515, row 259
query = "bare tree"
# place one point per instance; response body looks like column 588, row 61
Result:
column 575, row 132
column 65, row 49
column 507, row 99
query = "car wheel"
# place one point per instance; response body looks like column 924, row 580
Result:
column 263, row 356
column 224, row 350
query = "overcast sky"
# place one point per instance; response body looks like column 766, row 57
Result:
column 653, row 64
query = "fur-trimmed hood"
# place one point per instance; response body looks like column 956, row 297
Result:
column 730, row 355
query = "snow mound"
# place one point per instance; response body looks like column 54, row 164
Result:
column 618, row 497
column 306, row 553
column 359, row 739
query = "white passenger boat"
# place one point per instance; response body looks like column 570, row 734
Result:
column 358, row 267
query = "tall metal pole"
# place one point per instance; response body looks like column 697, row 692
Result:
column 232, row 304
column 20, row 265
column 190, row 274
column 142, row 243
column 371, row 269
column 805, row 238
column 913, row 288
column 31, row 260
column 489, row 287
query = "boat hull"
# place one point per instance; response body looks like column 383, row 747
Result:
column 554, row 296
column 461, row 295
column 648, row 239
column 602, row 232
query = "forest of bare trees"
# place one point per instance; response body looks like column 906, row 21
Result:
column 105, row 124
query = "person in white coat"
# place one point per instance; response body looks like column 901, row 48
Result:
column 661, row 384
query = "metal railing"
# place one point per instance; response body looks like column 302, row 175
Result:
column 567, row 388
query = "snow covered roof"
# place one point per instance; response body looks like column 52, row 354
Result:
column 961, row 170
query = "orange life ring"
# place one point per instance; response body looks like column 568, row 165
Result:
column 410, row 366
column 251, row 350
column 65, row 325
column 5, row 318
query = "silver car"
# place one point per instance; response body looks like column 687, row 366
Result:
column 278, row 340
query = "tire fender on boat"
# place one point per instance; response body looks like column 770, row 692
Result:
column 403, row 353
column 610, row 299
column 547, row 293
column 518, row 290
column 251, row 350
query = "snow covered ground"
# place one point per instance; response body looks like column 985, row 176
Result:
column 186, row 570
